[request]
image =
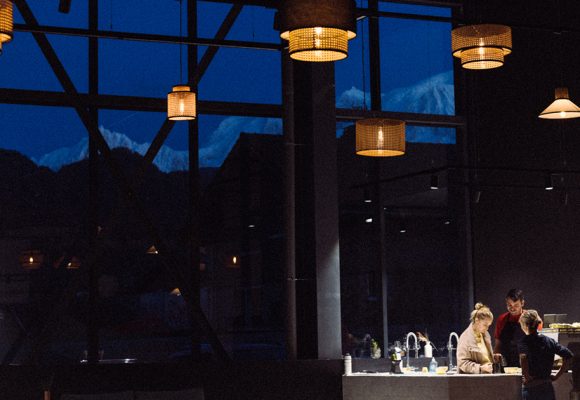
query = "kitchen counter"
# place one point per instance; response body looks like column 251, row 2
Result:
column 411, row 386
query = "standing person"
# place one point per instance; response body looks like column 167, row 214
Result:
column 536, row 354
column 474, row 354
column 507, row 330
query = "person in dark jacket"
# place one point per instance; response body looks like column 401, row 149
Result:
column 537, row 358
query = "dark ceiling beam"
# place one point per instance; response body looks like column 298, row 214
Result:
column 259, row 3
column 145, row 37
column 132, row 103
column 442, row 121
column 365, row 12
column 221, row 34
column 429, row 3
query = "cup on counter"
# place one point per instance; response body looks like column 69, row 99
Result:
column 441, row 370
column 425, row 370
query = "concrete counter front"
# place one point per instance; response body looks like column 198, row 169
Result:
column 384, row 386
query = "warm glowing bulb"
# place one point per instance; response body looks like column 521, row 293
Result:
column 234, row 260
column 318, row 30
column 31, row 260
column 381, row 138
column 181, row 106
column 318, row 54
column 562, row 114
column 317, row 43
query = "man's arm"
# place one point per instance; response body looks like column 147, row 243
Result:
column 526, row 378
column 497, row 346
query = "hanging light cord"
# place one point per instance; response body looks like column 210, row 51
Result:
column 364, row 79
column 180, row 42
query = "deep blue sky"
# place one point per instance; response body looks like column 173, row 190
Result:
column 411, row 51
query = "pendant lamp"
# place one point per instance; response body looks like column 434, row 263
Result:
column 380, row 137
column 562, row 107
column 6, row 22
column 181, row 101
column 481, row 46
column 318, row 31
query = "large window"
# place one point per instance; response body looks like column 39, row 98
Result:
column 110, row 236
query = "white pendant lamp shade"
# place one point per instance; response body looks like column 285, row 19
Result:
column 317, row 31
column 481, row 46
column 181, row 104
column 6, row 21
column 561, row 107
column 380, row 137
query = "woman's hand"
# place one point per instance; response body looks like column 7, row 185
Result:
column 486, row 368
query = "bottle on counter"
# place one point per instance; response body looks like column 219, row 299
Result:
column 433, row 365
column 347, row 364
column 428, row 349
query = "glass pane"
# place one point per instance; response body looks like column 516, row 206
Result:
column 17, row 58
column 419, row 238
column 414, row 9
column 232, row 74
column 255, row 24
column 349, row 73
column 417, row 76
column 241, row 233
column 46, row 13
column 126, row 69
column 43, row 214
column 218, row 135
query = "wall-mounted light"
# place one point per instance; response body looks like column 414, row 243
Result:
column 562, row 107
column 31, row 259
column 367, row 196
column 549, row 182
column 481, row 46
column 434, row 185
column 73, row 263
column 369, row 220
column 152, row 250
column 318, row 31
column 380, row 137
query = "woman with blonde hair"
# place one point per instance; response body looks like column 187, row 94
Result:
column 474, row 354
column 537, row 358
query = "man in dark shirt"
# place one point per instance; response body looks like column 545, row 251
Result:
column 537, row 358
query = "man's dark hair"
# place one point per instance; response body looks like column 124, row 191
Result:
column 515, row 295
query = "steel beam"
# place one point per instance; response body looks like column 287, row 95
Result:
column 133, row 103
column 145, row 37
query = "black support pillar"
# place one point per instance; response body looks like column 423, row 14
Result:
column 310, row 129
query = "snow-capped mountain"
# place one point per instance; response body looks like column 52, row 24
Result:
column 434, row 95
column 167, row 159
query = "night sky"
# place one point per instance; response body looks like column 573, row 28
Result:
column 411, row 51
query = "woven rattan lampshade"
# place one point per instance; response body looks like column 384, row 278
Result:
column 181, row 104
column 379, row 137
column 318, row 31
column 6, row 21
column 562, row 107
column 481, row 46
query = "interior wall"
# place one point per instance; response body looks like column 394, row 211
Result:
column 523, row 235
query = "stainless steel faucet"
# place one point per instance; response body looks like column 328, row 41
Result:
column 416, row 348
column 450, row 349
